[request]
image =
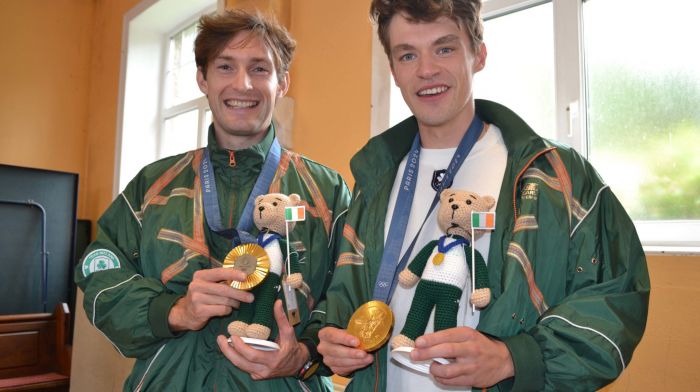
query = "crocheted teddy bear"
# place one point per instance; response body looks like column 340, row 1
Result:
column 443, row 267
column 255, row 319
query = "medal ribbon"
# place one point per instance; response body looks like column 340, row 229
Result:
column 264, row 242
column 239, row 234
column 389, row 268
column 442, row 248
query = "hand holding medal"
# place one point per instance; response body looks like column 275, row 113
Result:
column 252, row 260
column 371, row 324
column 263, row 263
column 393, row 261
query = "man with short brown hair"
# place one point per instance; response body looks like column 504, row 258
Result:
column 153, row 279
column 568, row 277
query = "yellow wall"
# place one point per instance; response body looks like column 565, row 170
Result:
column 45, row 79
column 666, row 358
column 103, row 96
column 331, row 80
column 58, row 106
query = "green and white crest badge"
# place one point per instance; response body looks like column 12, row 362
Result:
column 100, row 260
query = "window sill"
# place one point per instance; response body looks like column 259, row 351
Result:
column 671, row 250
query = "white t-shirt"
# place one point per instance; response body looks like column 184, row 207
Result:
column 481, row 172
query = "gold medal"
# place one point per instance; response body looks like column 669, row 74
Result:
column 251, row 259
column 371, row 323
column 438, row 258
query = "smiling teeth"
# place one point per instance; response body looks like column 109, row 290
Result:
column 433, row 91
column 240, row 104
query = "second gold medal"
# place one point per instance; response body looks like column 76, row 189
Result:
column 371, row 324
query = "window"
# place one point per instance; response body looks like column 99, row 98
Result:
column 519, row 70
column 619, row 81
column 161, row 110
column 184, row 107
column 644, row 111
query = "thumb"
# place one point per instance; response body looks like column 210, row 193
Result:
column 286, row 332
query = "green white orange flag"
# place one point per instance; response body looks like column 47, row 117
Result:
column 483, row 220
column 294, row 214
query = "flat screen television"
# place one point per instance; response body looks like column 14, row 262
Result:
column 37, row 239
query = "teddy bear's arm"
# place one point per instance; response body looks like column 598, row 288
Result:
column 482, row 273
column 418, row 263
column 294, row 277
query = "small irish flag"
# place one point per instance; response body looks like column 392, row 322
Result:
column 293, row 214
column 483, row 220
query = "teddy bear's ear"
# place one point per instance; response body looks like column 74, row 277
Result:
column 295, row 199
column 489, row 201
column 444, row 193
column 258, row 199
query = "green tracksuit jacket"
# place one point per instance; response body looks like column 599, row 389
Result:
column 568, row 275
column 153, row 238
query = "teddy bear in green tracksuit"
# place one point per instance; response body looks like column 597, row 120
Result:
column 255, row 319
column 443, row 267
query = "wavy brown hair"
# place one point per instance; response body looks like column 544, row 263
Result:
column 216, row 30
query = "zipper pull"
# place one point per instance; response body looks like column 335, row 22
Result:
column 231, row 158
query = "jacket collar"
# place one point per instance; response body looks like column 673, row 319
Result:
column 381, row 156
column 247, row 158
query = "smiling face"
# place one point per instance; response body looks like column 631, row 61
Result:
column 433, row 64
column 242, row 88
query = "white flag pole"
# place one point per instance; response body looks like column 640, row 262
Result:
column 286, row 229
column 289, row 295
column 473, row 265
